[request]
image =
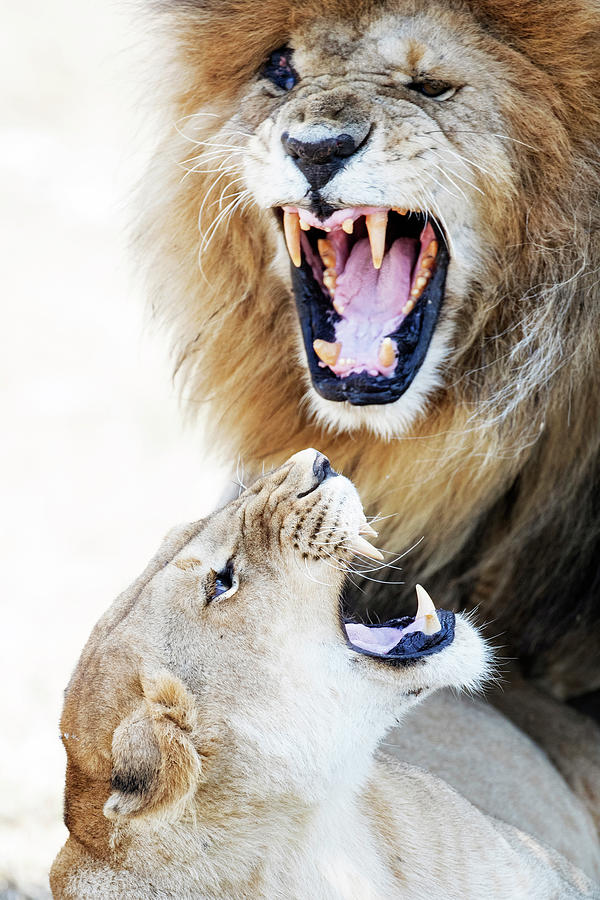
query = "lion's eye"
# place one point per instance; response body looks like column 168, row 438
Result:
column 434, row 90
column 279, row 69
column 224, row 585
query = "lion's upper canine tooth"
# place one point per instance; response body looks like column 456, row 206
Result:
column 426, row 610
column 387, row 353
column 291, row 229
column 376, row 226
column 359, row 545
column 348, row 225
column 327, row 352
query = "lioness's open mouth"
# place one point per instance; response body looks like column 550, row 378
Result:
column 368, row 284
column 408, row 638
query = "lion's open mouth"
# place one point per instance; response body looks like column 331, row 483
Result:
column 369, row 284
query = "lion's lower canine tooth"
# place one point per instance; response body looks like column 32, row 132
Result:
column 348, row 225
column 291, row 228
column 359, row 545
column 326, row 252
column 327, row 352
column 426, row 610
column 387, row 353
column 376, row 226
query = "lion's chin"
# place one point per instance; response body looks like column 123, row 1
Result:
column 369, row 285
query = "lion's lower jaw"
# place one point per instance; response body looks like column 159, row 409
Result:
column 384, row 421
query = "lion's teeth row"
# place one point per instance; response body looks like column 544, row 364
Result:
column 329, row 353
column 376, row 228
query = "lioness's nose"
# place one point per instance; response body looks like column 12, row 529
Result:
column 319, row 160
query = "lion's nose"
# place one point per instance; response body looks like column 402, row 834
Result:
column 319, row 160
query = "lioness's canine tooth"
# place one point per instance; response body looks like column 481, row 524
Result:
column 387, row 353
column 365, row 528
column 426, row 610
column 326, row 351
column 376, row 226
column 348, row 225
column 291, row 229
column 359, row 545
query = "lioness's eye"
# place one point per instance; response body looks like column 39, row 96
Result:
column 279, row 70
column 223, row 584
column 435, row 90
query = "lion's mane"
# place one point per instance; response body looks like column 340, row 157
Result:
column 501, row 475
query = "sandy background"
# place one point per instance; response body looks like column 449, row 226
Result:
column 95, row 463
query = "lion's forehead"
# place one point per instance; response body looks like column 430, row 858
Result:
column 428, row 40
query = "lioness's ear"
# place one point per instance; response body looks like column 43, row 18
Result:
column 155, row 763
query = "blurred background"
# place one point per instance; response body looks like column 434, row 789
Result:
column 96, row 465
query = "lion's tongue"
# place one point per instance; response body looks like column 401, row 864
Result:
column 370, row 302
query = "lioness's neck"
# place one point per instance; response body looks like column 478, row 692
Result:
column 283, row 847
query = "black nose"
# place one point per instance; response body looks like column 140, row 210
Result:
column 322, row 468
column 319, row 160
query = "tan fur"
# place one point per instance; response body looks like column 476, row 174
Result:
column 496, row 465
column 228, row 748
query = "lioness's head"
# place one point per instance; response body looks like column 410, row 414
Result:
column 231, row 669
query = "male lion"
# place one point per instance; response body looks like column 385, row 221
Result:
column 222, row 723
column 433, row 169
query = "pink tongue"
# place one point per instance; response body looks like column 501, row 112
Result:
column 377, row 640
column 370, row 302
column 380, row 640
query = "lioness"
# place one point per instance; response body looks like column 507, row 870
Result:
column 372, row 226
column 222, row 728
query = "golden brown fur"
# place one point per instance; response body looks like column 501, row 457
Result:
column 499, row 470
column 224, row 746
